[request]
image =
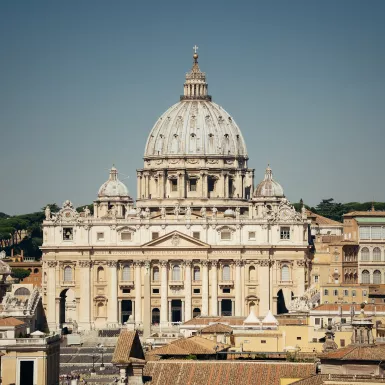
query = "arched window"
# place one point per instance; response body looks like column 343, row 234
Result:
column 376, row 254
column 126, row 273
column 68, row 274
column 155, row 316
column 196, row 312
column 197, row 273
column 365, row 256
column 365, row 276
column 22, row 291
column 226, row 273
column 45, row 277
column 377, row 277
column 285, row 273
column 100, row 274
column 176, row 273
column 252, row 274
column 36, row 270
column 155, row 273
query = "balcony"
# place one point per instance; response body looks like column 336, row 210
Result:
column 226, row 283
column 176, row 284
column 126, row 284
column 68, row 283
column 285, row 283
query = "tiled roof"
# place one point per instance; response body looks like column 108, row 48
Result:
column 346, row 307
column 224, row 372
column 365, row 214
column 10, row 321
column 217, row 328
column 127, row 347
column 321, row 379
column 209, row 320
column 192, row 345
column 320, row 220
column 356, row 352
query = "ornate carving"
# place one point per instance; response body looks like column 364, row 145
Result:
column 138, row 264
column 187, row 263
column 205, row 262
column 86, row 263
column 238, row 262
column 113, row 264
column 66, row 214
column 301, row 263
column 175, row 240
column 163, row 263
column 265, row 262
column 52, row 264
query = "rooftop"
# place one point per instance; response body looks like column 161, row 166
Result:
column 10, row 321
column 320, row 220
column 356, row 353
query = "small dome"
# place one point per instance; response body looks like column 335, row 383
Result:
column 113, row 187
column 268, row 187
column 229, row 213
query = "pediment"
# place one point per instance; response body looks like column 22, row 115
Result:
column 176, row 239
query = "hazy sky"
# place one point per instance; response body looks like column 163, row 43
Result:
column 83, row 82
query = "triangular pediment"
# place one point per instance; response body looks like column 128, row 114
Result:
column 176, row 239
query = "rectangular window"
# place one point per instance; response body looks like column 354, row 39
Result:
column 225, row 235
column 197, row 291
column 326, row 292
column 335, row 293
column 343, row 320
column 364, row 293
column 317, row 321
column 314, row 340
column 364, row 232
column 155, row 291
column 174, row 185
column 263, row 341
column 251, row 235
column 316, row 278
column 196, row 235
column 226, row 291
column 155, row 235
column 353, row 293
column 299, row 338
column 376, row 232
column 285, row 232
column 346, row 292
column 100, row 236
column 68, row 234
column 126, row 291
column 126, row 236
column 342, row 343
column 193, row 185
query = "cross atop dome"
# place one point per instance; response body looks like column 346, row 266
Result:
column 195, row 48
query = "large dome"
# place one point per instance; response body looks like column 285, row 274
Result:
column 195, row 127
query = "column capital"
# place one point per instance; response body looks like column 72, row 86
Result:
column 205, row 262
column 113, row 264
column 51, row 264
column 163, row 263
column 214, row 263
column 265, row 263
column 187, row 263
column 239, row 262
column 86, row 263
column 138, row 264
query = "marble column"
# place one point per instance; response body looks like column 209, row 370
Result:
column 139, row 185
column 188, row 290
column 205, row 288
column 183, row 311
column 238, row 288
column 85, row 297
column 113, row 300
column 51, row 295
column 264, row 284
column 182, row 185
column 214, row 288
column 138, row 292
column 147, row 300
column 163, row 293
column 169, row 311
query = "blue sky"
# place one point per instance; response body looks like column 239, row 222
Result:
column 83, row 82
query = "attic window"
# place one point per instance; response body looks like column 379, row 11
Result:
column 227, row 136
column 126, row 236
column 68, row 234
column 155, row 235
column 225, row 235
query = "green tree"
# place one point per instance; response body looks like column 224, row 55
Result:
column 53, row 207
column 20, row 273
column 330, row 209
column 90, row 207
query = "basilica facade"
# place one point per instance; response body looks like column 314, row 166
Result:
column 200, row 239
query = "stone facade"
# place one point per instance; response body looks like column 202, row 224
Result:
column 199, row 240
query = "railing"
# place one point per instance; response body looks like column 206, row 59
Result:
column 37, row 341
column 176, row 283
column 127, row 283
column 285, row 282
column 200, row 97
column 228, row 282
column 67, row 283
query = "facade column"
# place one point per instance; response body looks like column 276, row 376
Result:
column 119, row 311
column 169, row 311
column 232, row 306
column 85, row 297
column 226, row 185
column 183, row 311
column 188, row 290
column 113, row 300
column 138, row 185
column 147, row 300
column 138, row 292
column 181, row 184
column 214, row 288
column 263, row 284
column 238, row 288
column 163, row 293
column 220, row 308
column 51, row 295
column 205, row 288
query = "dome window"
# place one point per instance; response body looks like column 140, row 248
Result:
column 227, row 136
column 211, row 135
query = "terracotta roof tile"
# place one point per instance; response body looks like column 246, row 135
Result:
column 224, row 372
column 319, row 219
column 321, row 379
column 10, row 321
column 127, row 347
column 209, row 320
column 346, row 307
column 365, row 214
column 356, row 352
column 192, row 345
column 217, row 328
